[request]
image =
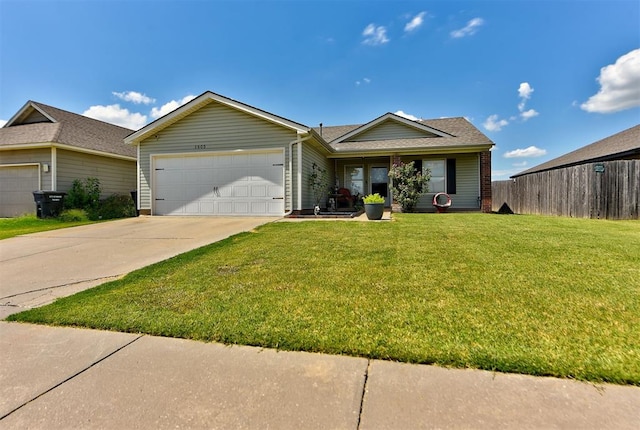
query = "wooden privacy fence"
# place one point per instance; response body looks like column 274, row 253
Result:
column 609, row 189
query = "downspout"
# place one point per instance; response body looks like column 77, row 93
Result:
column 138, row 189
column 290, row 184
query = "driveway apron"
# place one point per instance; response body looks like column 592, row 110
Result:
column 36, row 269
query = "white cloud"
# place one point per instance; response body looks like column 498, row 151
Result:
column 2, row 122
column 375, row 35
column 406, row 115
column 364, row 81
column 494, row 124
column 170, row 106
column 134, row 97
column 531, row 151
column 529, row 114
column 520, row 164
column 525, row 90
column 469, row 30
column 114, row 114
column 619, row 86
column 415, row 22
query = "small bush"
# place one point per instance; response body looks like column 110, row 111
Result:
column 73, row 215
column 84, row 194
column 373, row 198
column 114, row 206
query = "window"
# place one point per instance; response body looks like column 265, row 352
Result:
column 438, row 172
column 354, row 179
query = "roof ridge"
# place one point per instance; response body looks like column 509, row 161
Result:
column 47, row 108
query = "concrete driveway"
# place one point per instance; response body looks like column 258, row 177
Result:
column 36, row 269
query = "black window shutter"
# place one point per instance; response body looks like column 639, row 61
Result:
column 417, row 165
column 451, row 175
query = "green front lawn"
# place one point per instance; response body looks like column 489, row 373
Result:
column 528, row 294
column 10, row 227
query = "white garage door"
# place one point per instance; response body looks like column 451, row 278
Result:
column 219, row 184
column 17, row 184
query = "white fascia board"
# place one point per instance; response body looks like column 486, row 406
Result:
column 66, row 147
column 299, row 128
column 26, row 146
column 411, row 151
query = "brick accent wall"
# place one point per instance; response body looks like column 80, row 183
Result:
column 485, row 181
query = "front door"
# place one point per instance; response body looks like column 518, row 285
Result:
column 379, row 179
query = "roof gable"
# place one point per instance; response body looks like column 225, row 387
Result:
column 427, row 135
column 203, row 100
column 618, row 145
column 40, row 124
column 30, row 113
column 390, row 126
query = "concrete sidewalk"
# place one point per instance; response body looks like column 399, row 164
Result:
column 36, row 269
column 62, row 378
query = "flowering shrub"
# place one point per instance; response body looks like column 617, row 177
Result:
column 408, row 184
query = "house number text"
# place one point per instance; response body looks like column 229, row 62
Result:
column 200, row 146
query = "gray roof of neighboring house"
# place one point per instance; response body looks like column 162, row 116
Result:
column 462, row 133
column 619, row 145
column 67, row 128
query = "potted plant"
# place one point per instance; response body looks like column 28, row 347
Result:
column 374, row 206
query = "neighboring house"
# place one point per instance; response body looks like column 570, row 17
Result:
column 600, row 180
column 46, row 148
column 218, row 156
column 621, row 146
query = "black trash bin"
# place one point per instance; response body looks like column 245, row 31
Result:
column 134, row 197
column 48, row 203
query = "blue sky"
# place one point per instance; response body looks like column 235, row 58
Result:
column 540, row 78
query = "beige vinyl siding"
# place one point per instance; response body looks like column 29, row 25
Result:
column 35, row 117
column 467, row 182
column 213, row 128
column 116, row 176
column 310, row 155
column 389, row 130
column 25, row 156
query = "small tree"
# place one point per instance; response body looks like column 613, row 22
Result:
column 319, row 183
column 408, row 184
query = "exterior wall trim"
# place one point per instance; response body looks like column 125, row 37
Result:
column 65, row 147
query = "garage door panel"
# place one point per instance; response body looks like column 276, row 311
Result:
column 259, row 207
column 220, row 184
column 17, row 184
column 259, row 191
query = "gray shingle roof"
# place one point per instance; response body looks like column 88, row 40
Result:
column 613, row 147
column 68, row 129
column 462, row 132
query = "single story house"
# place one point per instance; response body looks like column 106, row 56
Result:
column 599, row 180
column 46, row 148
column 624, row 145
column 218, row 156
